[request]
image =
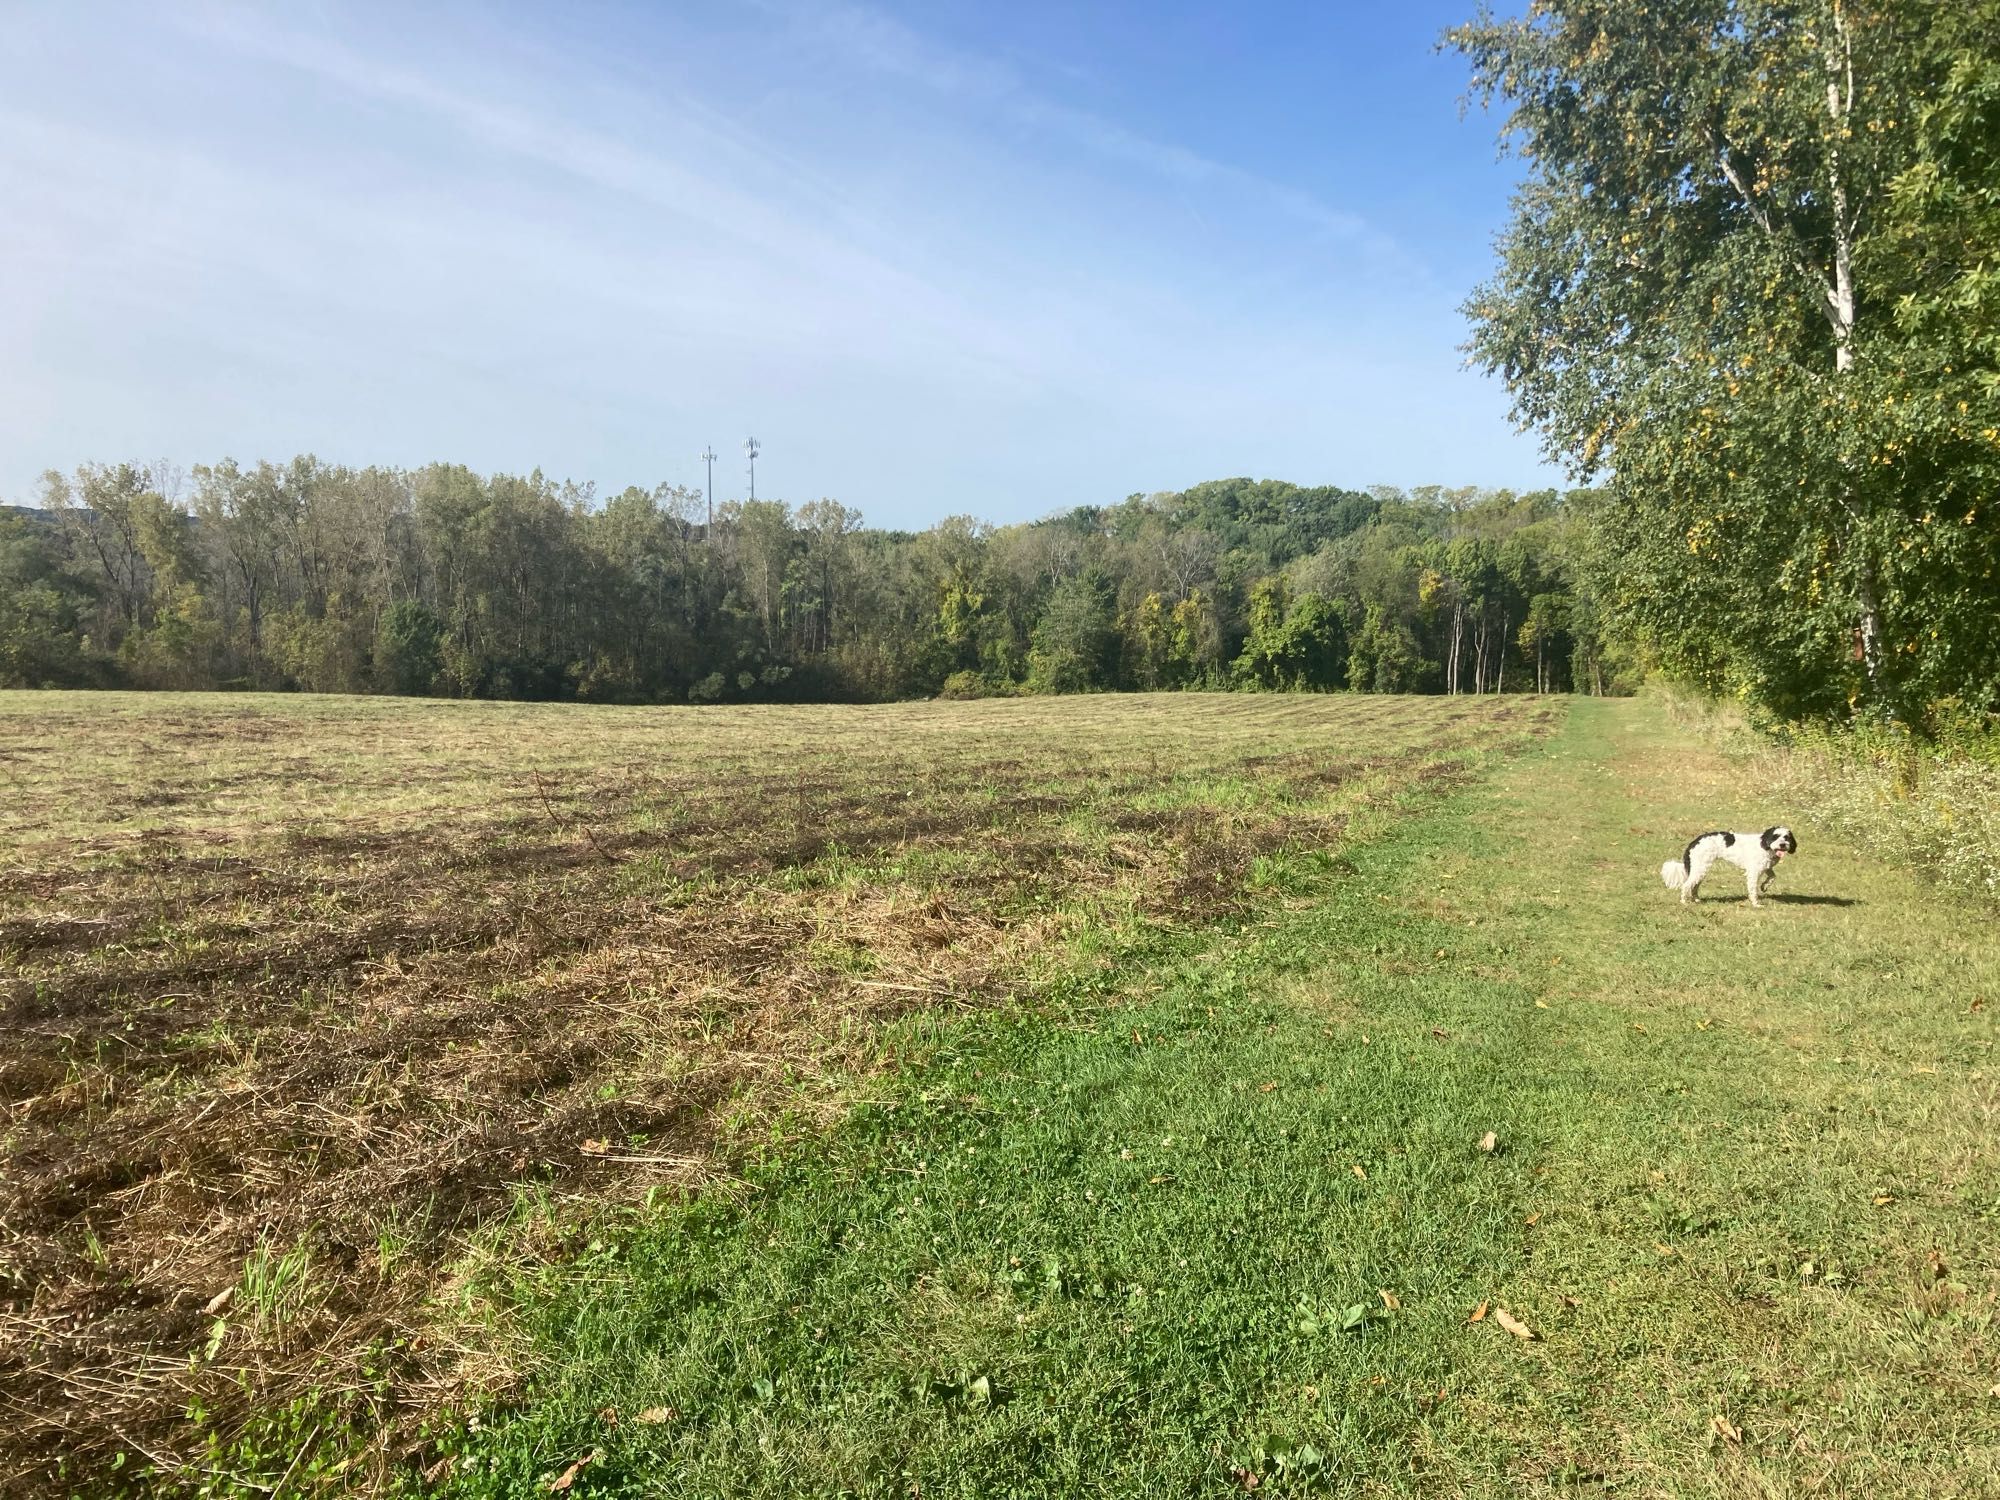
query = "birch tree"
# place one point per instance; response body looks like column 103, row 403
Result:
column 1695, row 295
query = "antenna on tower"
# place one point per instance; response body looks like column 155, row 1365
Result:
column 708, row 457
column 751, row 450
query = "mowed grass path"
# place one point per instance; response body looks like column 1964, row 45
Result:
column 1221, row 1220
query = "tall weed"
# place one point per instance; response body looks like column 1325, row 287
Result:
column 1934, row 808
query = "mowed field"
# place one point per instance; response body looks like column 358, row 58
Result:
column 323, row 1014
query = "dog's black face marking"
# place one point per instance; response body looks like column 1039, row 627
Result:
column 1687, row 854
column 1779, row 840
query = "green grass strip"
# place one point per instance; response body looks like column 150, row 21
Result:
column 1222, row 1220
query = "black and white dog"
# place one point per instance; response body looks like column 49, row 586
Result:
column 1755, row 854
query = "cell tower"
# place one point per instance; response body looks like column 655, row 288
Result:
column 750, row 451
column 708, row 457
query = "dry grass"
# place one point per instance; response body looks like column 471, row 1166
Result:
column 302, row 994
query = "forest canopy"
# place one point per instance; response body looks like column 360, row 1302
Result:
column 441, row 581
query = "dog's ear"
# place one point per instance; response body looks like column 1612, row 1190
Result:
column 1770, row 838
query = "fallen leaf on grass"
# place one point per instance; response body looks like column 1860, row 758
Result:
column 653, row 1416
column 1265, row 1088
column 1163, row 1177
column 1727, row 1430
column 1247, row 1478
column 1390, row 1300
column 1640, row 1029
column 1359, row 1173
column 594, row 1148
column 1489, row 1142
column 608, row 1415
column 219, row 1301
column 1532, row 1220
column 1440, row 1033
column 1882, row 1198
column 1978, row 1005
column 1663, row 1249
column 568, row 1476
column 1513, row 1325
column 1541, row 1005
column 1478, row 1313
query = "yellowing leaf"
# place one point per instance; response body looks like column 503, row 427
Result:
column 1478, row 1313
column 1489, row 1142
column 1359, row 1173
column 653, row 1416
column 1727, row 1430
column 1390, row 1300
column 1513, row 1324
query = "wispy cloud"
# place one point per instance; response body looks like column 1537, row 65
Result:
column 590, row 238
column 666, row 176
column 872, row 38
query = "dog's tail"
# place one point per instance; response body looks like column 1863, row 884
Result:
column 1674, row 874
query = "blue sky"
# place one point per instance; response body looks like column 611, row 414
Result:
column 938, row 258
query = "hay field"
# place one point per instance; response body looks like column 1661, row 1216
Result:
column 303, row 997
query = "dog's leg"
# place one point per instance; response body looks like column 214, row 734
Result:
column 1755, row 883
column 1691, row 887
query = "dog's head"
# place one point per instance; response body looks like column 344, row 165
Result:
column 1779, row 841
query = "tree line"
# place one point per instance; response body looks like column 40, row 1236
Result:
column 440, row 581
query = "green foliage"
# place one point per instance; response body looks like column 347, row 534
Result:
column 1295, row 644
column 407, row 654
column 43, row 613
column 1075, row 649
column 1384, row 657
column 442, row 581
column 1749, row 275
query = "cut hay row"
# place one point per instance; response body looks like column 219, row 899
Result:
column 302, row 995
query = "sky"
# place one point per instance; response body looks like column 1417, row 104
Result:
column 950, row 257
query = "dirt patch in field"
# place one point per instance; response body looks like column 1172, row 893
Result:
column 273, row 1067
